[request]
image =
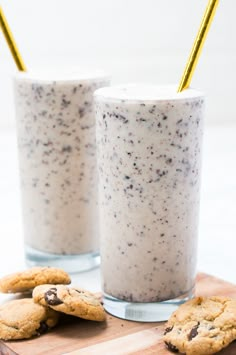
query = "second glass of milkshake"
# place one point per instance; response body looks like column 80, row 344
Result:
column 149, row 141
column 57, row 158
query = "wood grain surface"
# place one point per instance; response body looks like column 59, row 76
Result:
column 115, row 336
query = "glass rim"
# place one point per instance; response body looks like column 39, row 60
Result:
column 132, row 94
column 62, row 75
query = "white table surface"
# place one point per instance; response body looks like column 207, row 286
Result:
column 217, row 234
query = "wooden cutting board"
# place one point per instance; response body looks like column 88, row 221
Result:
column 115, row 337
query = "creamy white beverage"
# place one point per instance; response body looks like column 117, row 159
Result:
column 57, row 155
column 149, row 161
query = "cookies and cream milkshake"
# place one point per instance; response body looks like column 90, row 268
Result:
column 149, row 160
column 57, row 155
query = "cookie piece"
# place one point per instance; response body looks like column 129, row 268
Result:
column 70, row 300
column 26, row 280
column 22, row 319
column 202, row 326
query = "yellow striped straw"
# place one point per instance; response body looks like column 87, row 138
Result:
column 11, row 42
column 198, row 45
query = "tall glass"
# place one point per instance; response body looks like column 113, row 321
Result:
column 149, row 142
column 57, row 156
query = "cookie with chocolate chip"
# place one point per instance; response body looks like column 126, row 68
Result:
column 202, row 326
column 26, row 280
column 23, row 319
column 70, row 300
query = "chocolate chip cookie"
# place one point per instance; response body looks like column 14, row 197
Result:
column 26, row 280
column 70, row 300
column 202, row 326
column 22, row 319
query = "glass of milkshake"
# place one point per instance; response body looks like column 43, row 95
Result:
column 57, row 160
column 149, row 141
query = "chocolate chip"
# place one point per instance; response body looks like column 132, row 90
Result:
column 51, row 297
column 171, row 347
column 81, row 112
column 15, row 327
column 193, row 333
column 66, row 148
column 43, row 328
column 65, row 103
column 167, row 330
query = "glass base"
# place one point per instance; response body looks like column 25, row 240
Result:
column 144, row 312
column 69, row 263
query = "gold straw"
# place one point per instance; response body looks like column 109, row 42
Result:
column 198, row 44
column 11, row 42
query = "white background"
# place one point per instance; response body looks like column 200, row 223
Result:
column 141, row 41
column 135, row 40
